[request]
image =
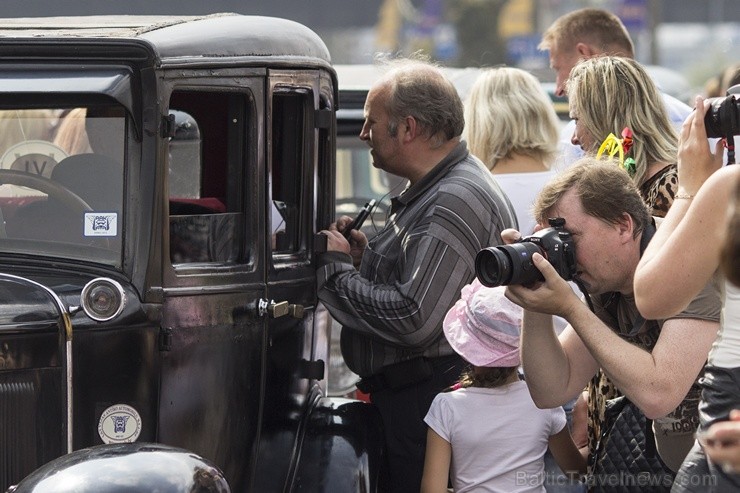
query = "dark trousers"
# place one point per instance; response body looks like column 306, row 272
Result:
column 719, row 395
column 403, row 411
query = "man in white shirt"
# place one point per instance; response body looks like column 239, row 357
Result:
column 586, row 33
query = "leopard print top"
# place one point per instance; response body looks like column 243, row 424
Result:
column 659, row 189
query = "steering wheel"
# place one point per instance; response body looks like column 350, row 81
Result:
column 68, row 198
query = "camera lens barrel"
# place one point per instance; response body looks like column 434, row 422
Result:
column 723, row 117
column 493, row 267
column 508, row 264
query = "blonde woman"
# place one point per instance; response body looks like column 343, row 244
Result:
column 511, row 125
column 607, row 94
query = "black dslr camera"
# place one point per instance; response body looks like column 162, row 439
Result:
column 512, row 264
column 723, row 116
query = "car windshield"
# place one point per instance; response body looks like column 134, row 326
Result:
column 61, row 182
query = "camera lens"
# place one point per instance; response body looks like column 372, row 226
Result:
column 507, row 264
column 493, row 267
column 723, row 117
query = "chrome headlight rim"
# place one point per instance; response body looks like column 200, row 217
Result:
column 84, row 302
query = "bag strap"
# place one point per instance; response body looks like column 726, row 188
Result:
column 651, row 449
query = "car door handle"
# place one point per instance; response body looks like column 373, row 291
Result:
column 272, row 308
column 296, row 311
column 277, row 309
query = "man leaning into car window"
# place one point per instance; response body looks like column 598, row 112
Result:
column 411, row 273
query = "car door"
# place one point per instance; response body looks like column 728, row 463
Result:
column 214, row 275
column 296, row 187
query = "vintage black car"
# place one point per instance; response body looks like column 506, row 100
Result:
column 162, row 181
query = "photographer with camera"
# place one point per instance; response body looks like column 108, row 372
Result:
column 655, row 363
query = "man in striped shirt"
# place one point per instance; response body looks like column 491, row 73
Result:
column 412, row 272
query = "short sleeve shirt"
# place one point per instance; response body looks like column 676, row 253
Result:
column 498, row 437
column 620, row 313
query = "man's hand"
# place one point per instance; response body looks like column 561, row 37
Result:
column 553, row 297
column 510, row 236
column 341, row 224
column 553, row 376
column 357, row 245
column 337, row 243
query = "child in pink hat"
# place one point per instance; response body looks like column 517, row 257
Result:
column 487, row 434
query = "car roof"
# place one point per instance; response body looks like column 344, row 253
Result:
column 223, row 35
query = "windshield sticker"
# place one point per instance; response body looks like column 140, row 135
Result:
column 119, row 424
column 101, row 224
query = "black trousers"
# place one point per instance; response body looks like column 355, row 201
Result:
column 720, row 394
column 403, row 411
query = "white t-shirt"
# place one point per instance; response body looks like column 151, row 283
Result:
column 522, row 188
column 498, row 437
column 725, row 352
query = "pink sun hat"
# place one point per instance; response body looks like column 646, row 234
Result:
column 484, row 326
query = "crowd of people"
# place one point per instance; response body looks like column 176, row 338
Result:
column 475, row 384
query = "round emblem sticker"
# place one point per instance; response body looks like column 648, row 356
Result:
column 33, row 156
column 119, row 424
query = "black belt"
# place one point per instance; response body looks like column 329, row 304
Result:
column 397, row 375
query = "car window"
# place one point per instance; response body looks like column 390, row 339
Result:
column 205, row 179
column 62, row 174
column 289, row 167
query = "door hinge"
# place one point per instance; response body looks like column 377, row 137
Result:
column 324, row 118
column 165, row 339
column 312, row 370
column 168, row 126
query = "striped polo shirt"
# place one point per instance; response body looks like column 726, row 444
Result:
column 412, row 272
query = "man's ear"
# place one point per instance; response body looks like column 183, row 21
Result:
column 626, row 227
column 585, row 50
column 408, row 128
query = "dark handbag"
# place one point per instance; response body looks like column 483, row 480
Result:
column 626, row 459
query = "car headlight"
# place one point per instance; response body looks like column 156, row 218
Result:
column 102, row 299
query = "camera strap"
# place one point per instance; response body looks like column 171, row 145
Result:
column 585, row 292
column 647, row 235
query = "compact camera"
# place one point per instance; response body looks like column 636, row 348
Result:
column 723, row 116
column 512, row 264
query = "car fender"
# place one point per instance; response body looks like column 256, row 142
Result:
column 343, row 449
column 113, row 468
